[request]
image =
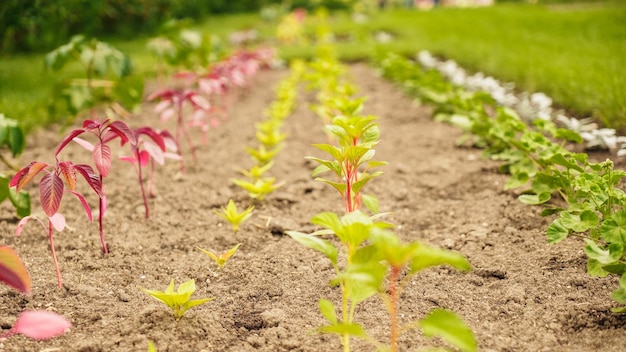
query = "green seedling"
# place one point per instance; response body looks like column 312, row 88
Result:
column 233, row 216
column 221, row 259
column 151, row 346
column 260, row 188
column 257, row 171
column 179, row 301
column 263, row 155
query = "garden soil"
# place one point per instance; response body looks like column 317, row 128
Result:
column 521, row 294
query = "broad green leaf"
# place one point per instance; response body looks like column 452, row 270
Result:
column 613, row 229
column 619, row 310
column 619, row 295
column 12, row 270
column 556, row 232
column 604, row 257
column 328, row 310
column 595, row 268
column 534, row 199
column 450, row 328
column 323, row 246
column 427, row 256
column 340, row 187
column 328, row 220
column 16, row 141
column 21, row 202
column 579, row 223
column 335, row 152
column 370, row 202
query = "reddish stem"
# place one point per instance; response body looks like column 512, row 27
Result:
column 179, row 126
column 393, row 307
column 54, row 255
column 143, row 191
column 102, row 207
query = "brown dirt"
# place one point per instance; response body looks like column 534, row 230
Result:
column 522, row 294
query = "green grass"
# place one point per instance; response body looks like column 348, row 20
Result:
column 574, row 53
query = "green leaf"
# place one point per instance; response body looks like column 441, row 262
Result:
column 604, row 257
column 344, row 329
column 328, row 220
column 370, row 202
column 613, row 229
column 328, row 310
column 151, row 347
column 450, row 328
column 556, row 232
column 579, row 223
column 16, row 141
column 427, row 256
column 595, row 268
column 534, row 199
column 323, row 246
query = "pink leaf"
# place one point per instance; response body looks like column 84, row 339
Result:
column 58, row 221
column 102, row 158
column 144, row 158
column 162, row 105
column 154, row 151
column 68, row 138
column 165, row 115
column 26, row 174
column 83, row 143
column 173, row 156
column 51, row 193
column 199, row 102
column 24, row 221
column 12, row 270
column 90, row 176
column 82, row 200
column 41, row 325
column 123, row 131
column 69, row 174
column 130, row 159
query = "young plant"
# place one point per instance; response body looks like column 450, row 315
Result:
column 180, row 300
column 104, row 132
column 151, row 148
column 256, row 172
column 260, row 188
column 172, row 103
column 221, row 259
column 51, row 189
column 100, row 61
column 233, row 216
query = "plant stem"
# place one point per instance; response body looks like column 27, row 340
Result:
column 102, row 207
column 54, row 255
column 393, row 307
column 179, row 127
column 143, row 191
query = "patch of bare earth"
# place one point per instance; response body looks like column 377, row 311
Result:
column 522, row 294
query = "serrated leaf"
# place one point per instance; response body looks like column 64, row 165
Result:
column 534, row 199
column 450, row 328
column 556, row 232
column 595, row 268
column 603, row 256
column 613, row 229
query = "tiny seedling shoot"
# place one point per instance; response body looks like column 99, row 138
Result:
column 180, row 300
column 221, row 259
column 233, row 216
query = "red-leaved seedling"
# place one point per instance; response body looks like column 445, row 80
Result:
column 39, row 325
column 12, row 270
column 151, row 147
column 51, row 188
column 172, row 102
column 105, row 132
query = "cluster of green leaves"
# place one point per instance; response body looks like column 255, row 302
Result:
column 585, row 195
column 179, row 300
column 12, row 138
column 178, row 46
column 270, row 137
column 372, row 254
column 106, row 82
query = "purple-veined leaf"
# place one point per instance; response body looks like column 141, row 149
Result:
column 12, row 270
column 90, row 176
column 102, row 158
column 67, row 139
column 24, row 221
column 41, row 325
column 58, row 221
column 123, row 131
column 51, row 193
column 83, row 201
column 154, row 151
column 153, row 135
column 26, row 174
column 83, row 143
column 69, row 174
